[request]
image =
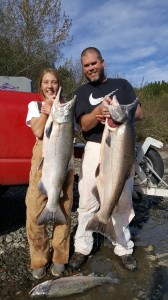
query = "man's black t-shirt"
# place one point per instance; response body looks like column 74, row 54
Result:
column 90, row 95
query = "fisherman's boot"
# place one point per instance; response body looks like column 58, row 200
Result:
column 57, row 269
column 39, row 272
column 77, row 260
column 129, row 262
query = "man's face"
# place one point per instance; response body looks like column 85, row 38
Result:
column 93, row 67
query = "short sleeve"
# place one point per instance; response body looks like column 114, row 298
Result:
column 130, row 92
column 33, row 112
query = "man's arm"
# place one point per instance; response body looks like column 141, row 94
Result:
column 139, row 113
column 89, row 121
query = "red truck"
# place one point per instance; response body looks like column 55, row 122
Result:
column 17, row 139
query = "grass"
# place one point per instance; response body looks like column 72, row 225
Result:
column 155, row 119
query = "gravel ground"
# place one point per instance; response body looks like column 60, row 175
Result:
column 15, row 276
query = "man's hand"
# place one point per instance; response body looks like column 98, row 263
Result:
column 101, row 119
column 105, row 112
column 105, row 104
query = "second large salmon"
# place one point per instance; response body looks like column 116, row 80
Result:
column 116, row 161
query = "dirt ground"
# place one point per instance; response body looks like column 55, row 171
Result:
column 149, row 232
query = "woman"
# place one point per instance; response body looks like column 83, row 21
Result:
column 39, row 242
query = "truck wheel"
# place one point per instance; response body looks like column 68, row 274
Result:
column 153, row 158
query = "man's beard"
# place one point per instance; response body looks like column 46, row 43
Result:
column 99, row 78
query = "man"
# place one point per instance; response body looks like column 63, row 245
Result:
column 91, row 110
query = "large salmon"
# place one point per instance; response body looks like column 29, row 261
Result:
column 57, row 157
column 69, row 285
column 116, row 161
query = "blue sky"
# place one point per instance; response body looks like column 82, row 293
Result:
column 131, row 34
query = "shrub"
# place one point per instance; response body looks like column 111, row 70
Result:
column 155, row 120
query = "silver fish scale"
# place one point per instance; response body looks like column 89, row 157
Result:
column 63, row 113
column 76, row 286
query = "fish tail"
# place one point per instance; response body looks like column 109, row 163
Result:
column 53, row 216
column 106, row 229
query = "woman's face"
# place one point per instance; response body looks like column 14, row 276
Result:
column 49, row 85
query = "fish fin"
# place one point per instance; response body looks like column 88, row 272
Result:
column 71, row 163
column 48, row 130
column 113, row 277
column 108, row 140
column 53, row 216
column 42, row 188
column 40, row 164
column 132, row 170
column 106, row 229
column 61, row 193
column 97, row 170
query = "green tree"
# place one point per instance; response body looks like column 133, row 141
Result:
column 33, row 33
column 71, row 76
column 67, row 79
column 156, row 88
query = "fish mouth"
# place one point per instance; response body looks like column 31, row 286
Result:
column 69, row 103
column 112, row 124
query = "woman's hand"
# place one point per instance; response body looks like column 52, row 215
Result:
column 46, row 107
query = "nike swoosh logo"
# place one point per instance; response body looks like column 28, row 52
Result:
column 94, row 101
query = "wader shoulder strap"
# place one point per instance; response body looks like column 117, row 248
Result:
column 39, row 105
